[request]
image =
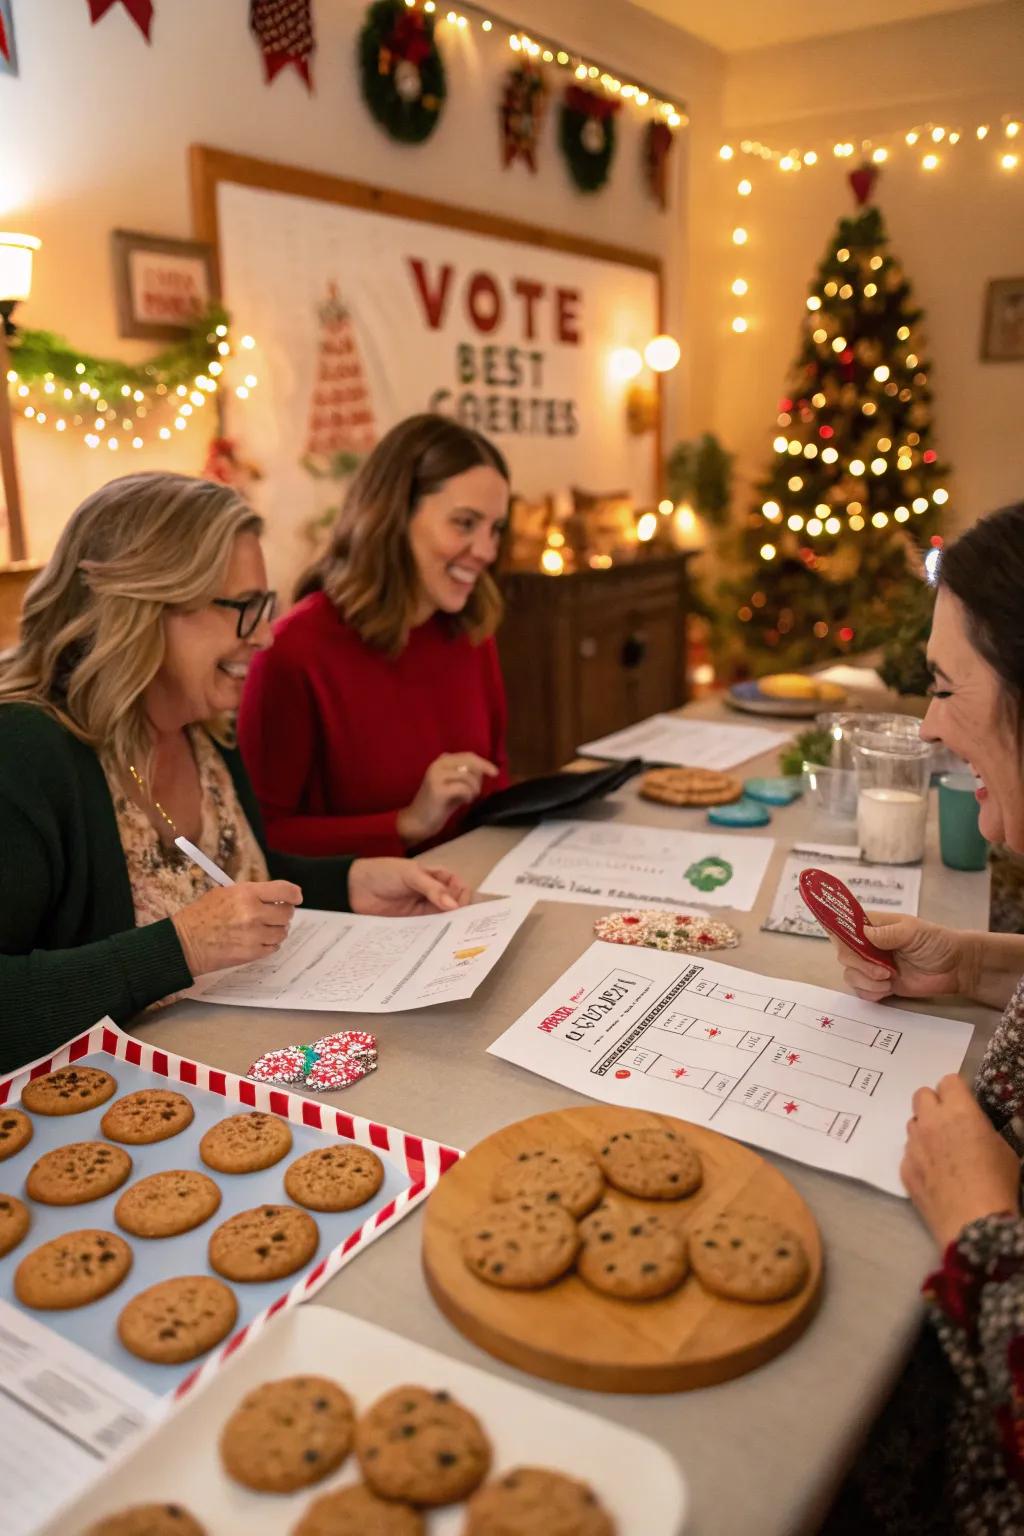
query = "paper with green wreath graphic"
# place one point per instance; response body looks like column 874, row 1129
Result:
column 612, row 864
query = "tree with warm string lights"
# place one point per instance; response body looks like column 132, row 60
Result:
column 855, row 491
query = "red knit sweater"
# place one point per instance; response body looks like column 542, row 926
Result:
column 337, row 736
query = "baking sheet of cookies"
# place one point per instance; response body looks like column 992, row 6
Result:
column 636, row 1480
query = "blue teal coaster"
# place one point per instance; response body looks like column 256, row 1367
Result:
column 742, row 813
column 781, row 791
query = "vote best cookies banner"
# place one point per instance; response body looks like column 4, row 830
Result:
column 362, row 317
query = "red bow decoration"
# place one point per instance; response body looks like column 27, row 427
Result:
column 409, row 39
column 141, row 12
column 284, row 31
column 590, row 103
column 862, row 180
column 5, row 47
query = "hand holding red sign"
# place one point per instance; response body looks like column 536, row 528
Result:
column 841, row 914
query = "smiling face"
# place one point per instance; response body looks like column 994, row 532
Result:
column 205, row 663
column 970, row 715
column 454, row 535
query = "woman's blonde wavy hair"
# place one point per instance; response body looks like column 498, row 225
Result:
column 368, row 570
column 92, row 637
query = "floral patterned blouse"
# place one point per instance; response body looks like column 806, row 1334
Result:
column 163, row 879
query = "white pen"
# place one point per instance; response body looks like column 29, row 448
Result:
column 206, row 865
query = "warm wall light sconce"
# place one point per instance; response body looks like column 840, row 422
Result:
column 16, row 252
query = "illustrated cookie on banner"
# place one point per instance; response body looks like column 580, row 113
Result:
column 332, row 1062
column 670, row 931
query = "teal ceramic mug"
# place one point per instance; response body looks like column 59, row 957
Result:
column 960, row 841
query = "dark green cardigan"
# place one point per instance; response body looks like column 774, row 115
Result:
column 69, row 948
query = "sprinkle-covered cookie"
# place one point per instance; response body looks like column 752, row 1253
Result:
column 77, row 1173
column 72, row 1270
column 151, row 1114
column 570, row 1178
column 675, row 932
column 334, row 1178
column 347, row 1042
column 422, row 1447
column 149, row 1520
column 748, row 1258
column 531, row 1501
column 176, row 1320
column 265, row 1243
column 521, row 1244
column 651, row 1163
column 167, row 1204
column 357, row 1511
column 68, row 1091
column 15, row 1132
column 630, row 1253
column 288, row 1065
column 245, row 1143
column 14, row 1222
column 332, row 1073
column 288, row 1434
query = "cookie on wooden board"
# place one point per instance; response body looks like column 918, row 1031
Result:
column 630, row 1253
column 177, row 1320
column 78, row 1172
column 288, row 1434
column 357, row 1511
column 72, row 1270
column 690, row 786
column 15, row 1132
column 68, row 1091
column 520, row 1244
column 748, row 1258
column 168, row 1203
column 149, row 1520
column 265, row 1243
column 570, row 1178
column 14, row 1222
column 650, row 1162
column 245, row 1143
column 533, row 1501
column 422, row 1447
column 334, row 1178
column 151, row 1114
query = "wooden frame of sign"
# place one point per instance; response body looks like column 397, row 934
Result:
column 210, row 167
column 189, row 284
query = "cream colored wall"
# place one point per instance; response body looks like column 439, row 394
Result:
column 100, row 125
column 954, row 228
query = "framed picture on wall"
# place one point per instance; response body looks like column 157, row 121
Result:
column 8, row 57
column 1002, row 339
column 161, row 286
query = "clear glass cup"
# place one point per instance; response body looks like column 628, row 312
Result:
column 843, row 724
column 893, row 768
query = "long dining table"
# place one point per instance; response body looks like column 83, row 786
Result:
column 763, row 1453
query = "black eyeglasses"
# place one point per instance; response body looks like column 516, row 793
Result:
column 251, row 610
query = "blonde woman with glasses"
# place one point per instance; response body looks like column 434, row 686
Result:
column 115, row 709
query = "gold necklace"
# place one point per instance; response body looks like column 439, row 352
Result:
column 153, row 802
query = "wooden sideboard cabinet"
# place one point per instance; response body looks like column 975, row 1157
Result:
column 590, row 652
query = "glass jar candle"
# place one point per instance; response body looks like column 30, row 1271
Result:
column 893, row 770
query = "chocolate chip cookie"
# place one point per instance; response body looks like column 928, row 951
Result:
column 748, row 1258
column 357, row 1511
column 570, row 1178
column 15, row 1132
column 266, row 1243
column 334, row 1178
column 630, row 1253
column 531, row 1501
column 68, row 1091
column 650, row 1162
column 245, row 1143
column 522, row 1244
column 149, row 1520
column 176, row 1320
column 72, row 1270
column 167, row 1204
column 152, row 1114
column 14, row 1223
column 77, row 1173
column 422, row 1447
column 288, row 1434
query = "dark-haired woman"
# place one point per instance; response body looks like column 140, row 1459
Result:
column 962, row 1165
column 378, row 716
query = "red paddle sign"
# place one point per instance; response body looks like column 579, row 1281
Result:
column 840, row 913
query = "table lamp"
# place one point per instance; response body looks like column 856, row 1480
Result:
column 16, row 253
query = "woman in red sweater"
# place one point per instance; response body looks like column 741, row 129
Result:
column 378, row 715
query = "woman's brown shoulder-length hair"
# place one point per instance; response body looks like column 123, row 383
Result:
column 367, row 570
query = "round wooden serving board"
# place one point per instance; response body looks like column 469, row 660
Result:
column 570, row 1333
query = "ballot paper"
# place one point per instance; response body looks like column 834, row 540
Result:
column 342, row 962
column 612, row 864
column 695, row 743
column 818, row 1076
column 878, row 888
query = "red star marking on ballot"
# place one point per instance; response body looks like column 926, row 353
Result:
column 713, row 1032
column 730, row 997
column 622, row 1072
column 790, row 1108
column 793, row 1057
column 826, row 1022
column 679, row 1072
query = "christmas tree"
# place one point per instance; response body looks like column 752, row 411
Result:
column 855, row 491
column 341, row 419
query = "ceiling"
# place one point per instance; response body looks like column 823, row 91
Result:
column 733, row 25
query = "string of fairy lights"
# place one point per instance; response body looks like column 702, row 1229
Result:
column 930, row 143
